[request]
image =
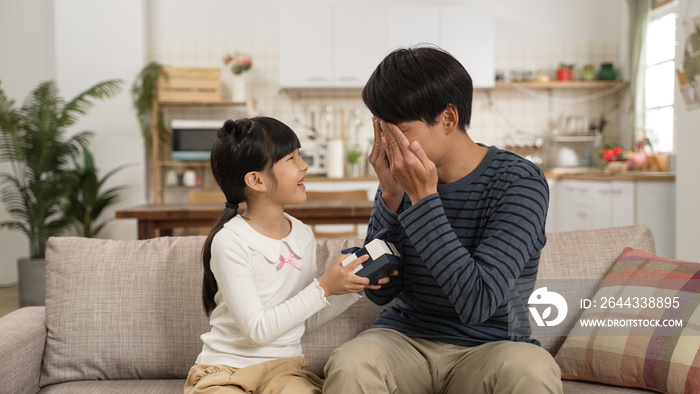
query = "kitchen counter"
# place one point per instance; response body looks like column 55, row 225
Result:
column 586, row 176
column 627, row 176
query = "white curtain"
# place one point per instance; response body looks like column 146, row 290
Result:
column 639, row 17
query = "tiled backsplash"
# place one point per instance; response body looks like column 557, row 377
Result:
column 497, row 113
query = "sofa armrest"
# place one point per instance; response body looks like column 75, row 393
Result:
column 22, row 340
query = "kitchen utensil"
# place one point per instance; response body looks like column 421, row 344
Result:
column 328, row 123
column 639, row 161
column 567, row 157
column 335, row 158
column 312, row 134
column 588, row 73
column 565, row 72
column 607, row 73
column 189, row 178
column 576, row 125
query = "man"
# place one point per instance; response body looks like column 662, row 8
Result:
column 469, row 222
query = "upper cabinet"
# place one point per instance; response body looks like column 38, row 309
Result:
column 306, row 46
column 330, row 46
column 466, row 32
column 345, row 43
column 357, row 46
column 404, row 28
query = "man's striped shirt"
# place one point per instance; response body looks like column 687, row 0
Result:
column 470, row 253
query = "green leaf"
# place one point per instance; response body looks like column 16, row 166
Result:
column 37, row 140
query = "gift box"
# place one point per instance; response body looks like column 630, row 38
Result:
column 383, row 259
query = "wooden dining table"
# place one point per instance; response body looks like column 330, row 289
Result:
column 157, row 220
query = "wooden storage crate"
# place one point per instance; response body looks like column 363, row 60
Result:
column 198, row 85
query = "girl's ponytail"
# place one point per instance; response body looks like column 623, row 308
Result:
column 209, row 285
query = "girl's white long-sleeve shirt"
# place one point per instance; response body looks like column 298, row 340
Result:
column 261, row 311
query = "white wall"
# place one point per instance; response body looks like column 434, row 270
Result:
column 687, row 148
column 97, row 41
column 79, row 43
column 23, row 64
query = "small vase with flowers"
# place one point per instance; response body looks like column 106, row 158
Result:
column 239, row 64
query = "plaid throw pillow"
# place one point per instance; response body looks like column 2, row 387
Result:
column 641, row 329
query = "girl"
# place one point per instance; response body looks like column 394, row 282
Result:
column 259, row 288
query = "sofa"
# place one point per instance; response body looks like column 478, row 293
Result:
column 126, row 316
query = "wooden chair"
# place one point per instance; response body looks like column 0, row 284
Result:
column 199, row 196
column 354, row 195
column 196, row 196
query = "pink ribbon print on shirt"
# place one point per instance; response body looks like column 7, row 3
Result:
column 289, row 260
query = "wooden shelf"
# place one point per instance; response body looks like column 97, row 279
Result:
column 560, row 85
column 160, row 163
column 203, row 103
column 575, row 138
column 183, row 163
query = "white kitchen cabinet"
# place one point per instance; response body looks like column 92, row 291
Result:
column 412, row 25
column 590, row 204
column 551, row 223
column 585, row 205
column 330, row 46
column 358, row 43
column 575, row 208
column 339, row 46
column 655, row 206
column 622, row 204
column 468, row 34
column 306, row 46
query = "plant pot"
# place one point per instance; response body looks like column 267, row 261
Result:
column 32, row 282
column 238, row 88
column 352, row 170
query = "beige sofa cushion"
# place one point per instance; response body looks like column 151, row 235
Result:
column 573, row 263
column 122, row 309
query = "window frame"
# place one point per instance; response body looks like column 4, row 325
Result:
column 660, row 11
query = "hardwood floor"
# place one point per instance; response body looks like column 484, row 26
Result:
column 9, row 299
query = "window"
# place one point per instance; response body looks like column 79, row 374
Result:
column 659, row 77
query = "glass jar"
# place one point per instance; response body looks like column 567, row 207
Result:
column 588, row 73
column 607, row 73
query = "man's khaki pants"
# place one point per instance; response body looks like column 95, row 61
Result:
column 386, row 361
column 281, row 376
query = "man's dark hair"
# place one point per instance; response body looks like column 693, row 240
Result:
column 418, row 84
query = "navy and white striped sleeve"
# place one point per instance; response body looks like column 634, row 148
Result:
column 383, row 218
column 478, row 283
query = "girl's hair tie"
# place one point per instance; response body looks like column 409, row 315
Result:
column 232, row 206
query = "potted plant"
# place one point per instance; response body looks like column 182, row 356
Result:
column 88, row 201
column 144, row 93
column 352, row 159
column 34, row 139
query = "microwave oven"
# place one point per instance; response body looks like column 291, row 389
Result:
column 193, row 139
